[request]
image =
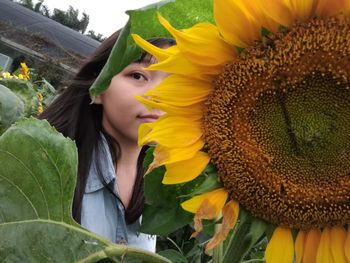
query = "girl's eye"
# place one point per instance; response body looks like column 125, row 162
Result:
column 137, row 76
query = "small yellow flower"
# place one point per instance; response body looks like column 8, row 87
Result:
column 7, row 75
column 25, row 71
column 20, row 76
column 40, row 109
column 40, row 98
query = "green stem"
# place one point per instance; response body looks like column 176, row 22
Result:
column 247, row 232
column 218, row 250
column 217, row 254
column 174, row 243
column 254, row 261
column 238, row 244
column 123, row 252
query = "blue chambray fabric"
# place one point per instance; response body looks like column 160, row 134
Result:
column 103, row 214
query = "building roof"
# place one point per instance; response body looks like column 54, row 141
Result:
column 64, row 37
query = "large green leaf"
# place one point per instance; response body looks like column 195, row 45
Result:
column 181, row 13
column 37, row 179
column 11, row 108
column 26, row 92
column 163, row 213
column 38, row 171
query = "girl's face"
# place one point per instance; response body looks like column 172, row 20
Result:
column 122, row 113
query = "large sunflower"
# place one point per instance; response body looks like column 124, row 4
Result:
column 265, row 96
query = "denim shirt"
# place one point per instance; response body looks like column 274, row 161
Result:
column 103, row 213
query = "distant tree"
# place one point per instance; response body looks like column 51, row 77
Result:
column 96, row 36
column 39, row 7
column 27, row 3
column 45, row 11
column 84, row 22
column 70, row 19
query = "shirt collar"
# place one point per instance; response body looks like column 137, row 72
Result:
column 104, row 159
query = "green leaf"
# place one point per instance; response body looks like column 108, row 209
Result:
column 162, row 214
column 121, row 55
column 25, row 91
column 210, row 182
column 173, row 256
column 11, row 108
column 246, row 234
column 37, row 180
column 38, row 173
column 45, row 241
column 181, row 13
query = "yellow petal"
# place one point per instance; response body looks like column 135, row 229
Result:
column 280, row 248
column 172, row 132
column 160, row 54
column 205, row 211
column 326, row 8
column 144, row 129
column 171, row 60
column 324, row 254
column 256, row 8
column 206, row 206
column 179, row 64
column 338, row 236
column 163, row 155
column 216, row 198
column 202, row 43
column 187, row 170
column 347, row 8
column 180, row 91
column 303, row 10
column 347, row 245
column 235, row 23
column 311, row 245
column 277, row 10
column 193, row 112
column 299, row 246
column 229, row 214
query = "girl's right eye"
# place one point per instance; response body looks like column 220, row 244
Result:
column 137, row 76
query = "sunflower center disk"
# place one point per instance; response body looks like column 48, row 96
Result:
column 278, row 126
column 306, row 126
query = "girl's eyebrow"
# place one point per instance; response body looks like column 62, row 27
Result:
column 147, row 60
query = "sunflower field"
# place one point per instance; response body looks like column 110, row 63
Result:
column 251, row 162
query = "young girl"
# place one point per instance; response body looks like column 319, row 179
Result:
column 109, row 193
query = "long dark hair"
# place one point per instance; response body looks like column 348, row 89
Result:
column 74, row 116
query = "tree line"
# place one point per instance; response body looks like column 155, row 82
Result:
column 68, row 18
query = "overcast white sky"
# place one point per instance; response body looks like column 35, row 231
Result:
column 106, row 16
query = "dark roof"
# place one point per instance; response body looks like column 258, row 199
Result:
column 70, row 40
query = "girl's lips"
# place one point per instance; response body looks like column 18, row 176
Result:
column 148, row 117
